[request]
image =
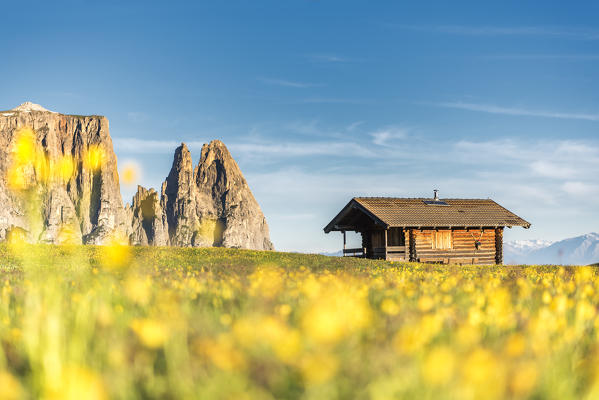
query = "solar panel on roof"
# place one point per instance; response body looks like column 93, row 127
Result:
column 435, row 203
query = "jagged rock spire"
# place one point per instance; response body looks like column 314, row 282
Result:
column 209, row 206
column 179, row 199
column 219, row 178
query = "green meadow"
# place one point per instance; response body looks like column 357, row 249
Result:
column 141, row 323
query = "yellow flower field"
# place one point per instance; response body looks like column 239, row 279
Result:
column 129, row 323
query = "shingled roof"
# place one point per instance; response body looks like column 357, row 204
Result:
column 422, row 212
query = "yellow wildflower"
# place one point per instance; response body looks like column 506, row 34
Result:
column 10, row 388
column 151, row 332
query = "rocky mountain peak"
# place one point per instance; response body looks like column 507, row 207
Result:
column 219, row 179
column 209, row 206
column 29, row 107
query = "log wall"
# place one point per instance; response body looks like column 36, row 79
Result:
column 499, row 246
column 463, row 249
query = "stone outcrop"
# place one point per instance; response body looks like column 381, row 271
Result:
column 148, row 223
column 58, row 177
column 59, row 183
column 211, row 205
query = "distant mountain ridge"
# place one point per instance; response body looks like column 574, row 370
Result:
column 579, row 250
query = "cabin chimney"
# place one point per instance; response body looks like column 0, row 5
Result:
column 436, row 197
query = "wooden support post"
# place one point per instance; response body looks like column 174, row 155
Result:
column 412, row 246
column 344, row 240
column 386, row 244
column 406, row 242
column 498, row 245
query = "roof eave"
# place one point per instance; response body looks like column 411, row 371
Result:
column 353, row 203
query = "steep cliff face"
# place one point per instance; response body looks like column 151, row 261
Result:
column 58, row 177
column 211, row 205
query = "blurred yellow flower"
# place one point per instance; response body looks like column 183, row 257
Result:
column 483, row 376
column 425, row 303
column 335, row 314
column 221, row 352
column 515, row 345
column 389, row 307
column 138, row 289
column 65, row 168
column 318, row 368
column 284, row 310
column 438, row 366
column 151, row 332
column 10, row 388
column 266, row 280
column 129, row 173
column 116, row 252
column 24, row 146
column 524, row 379
column 94, row 158
column 78, row 383
column 17, row 178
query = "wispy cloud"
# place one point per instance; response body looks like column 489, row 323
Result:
column 554, row 159
column 303, row 149
column 353, row 126
column 383, row 137
column 552, row 169
column 493, row 109
column 251, row 149
column 545, row 31
column 288, row 83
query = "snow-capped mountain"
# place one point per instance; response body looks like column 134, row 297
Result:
column 520, row 248
column 578, row 250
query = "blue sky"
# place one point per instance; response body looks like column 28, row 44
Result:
column 320, row 101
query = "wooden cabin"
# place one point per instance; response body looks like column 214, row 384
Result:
column 456, row 231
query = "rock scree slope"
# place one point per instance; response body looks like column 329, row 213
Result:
column 66, row 167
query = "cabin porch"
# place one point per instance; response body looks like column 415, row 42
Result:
column 388, row 244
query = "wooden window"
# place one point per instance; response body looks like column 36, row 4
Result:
column 441, row 239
